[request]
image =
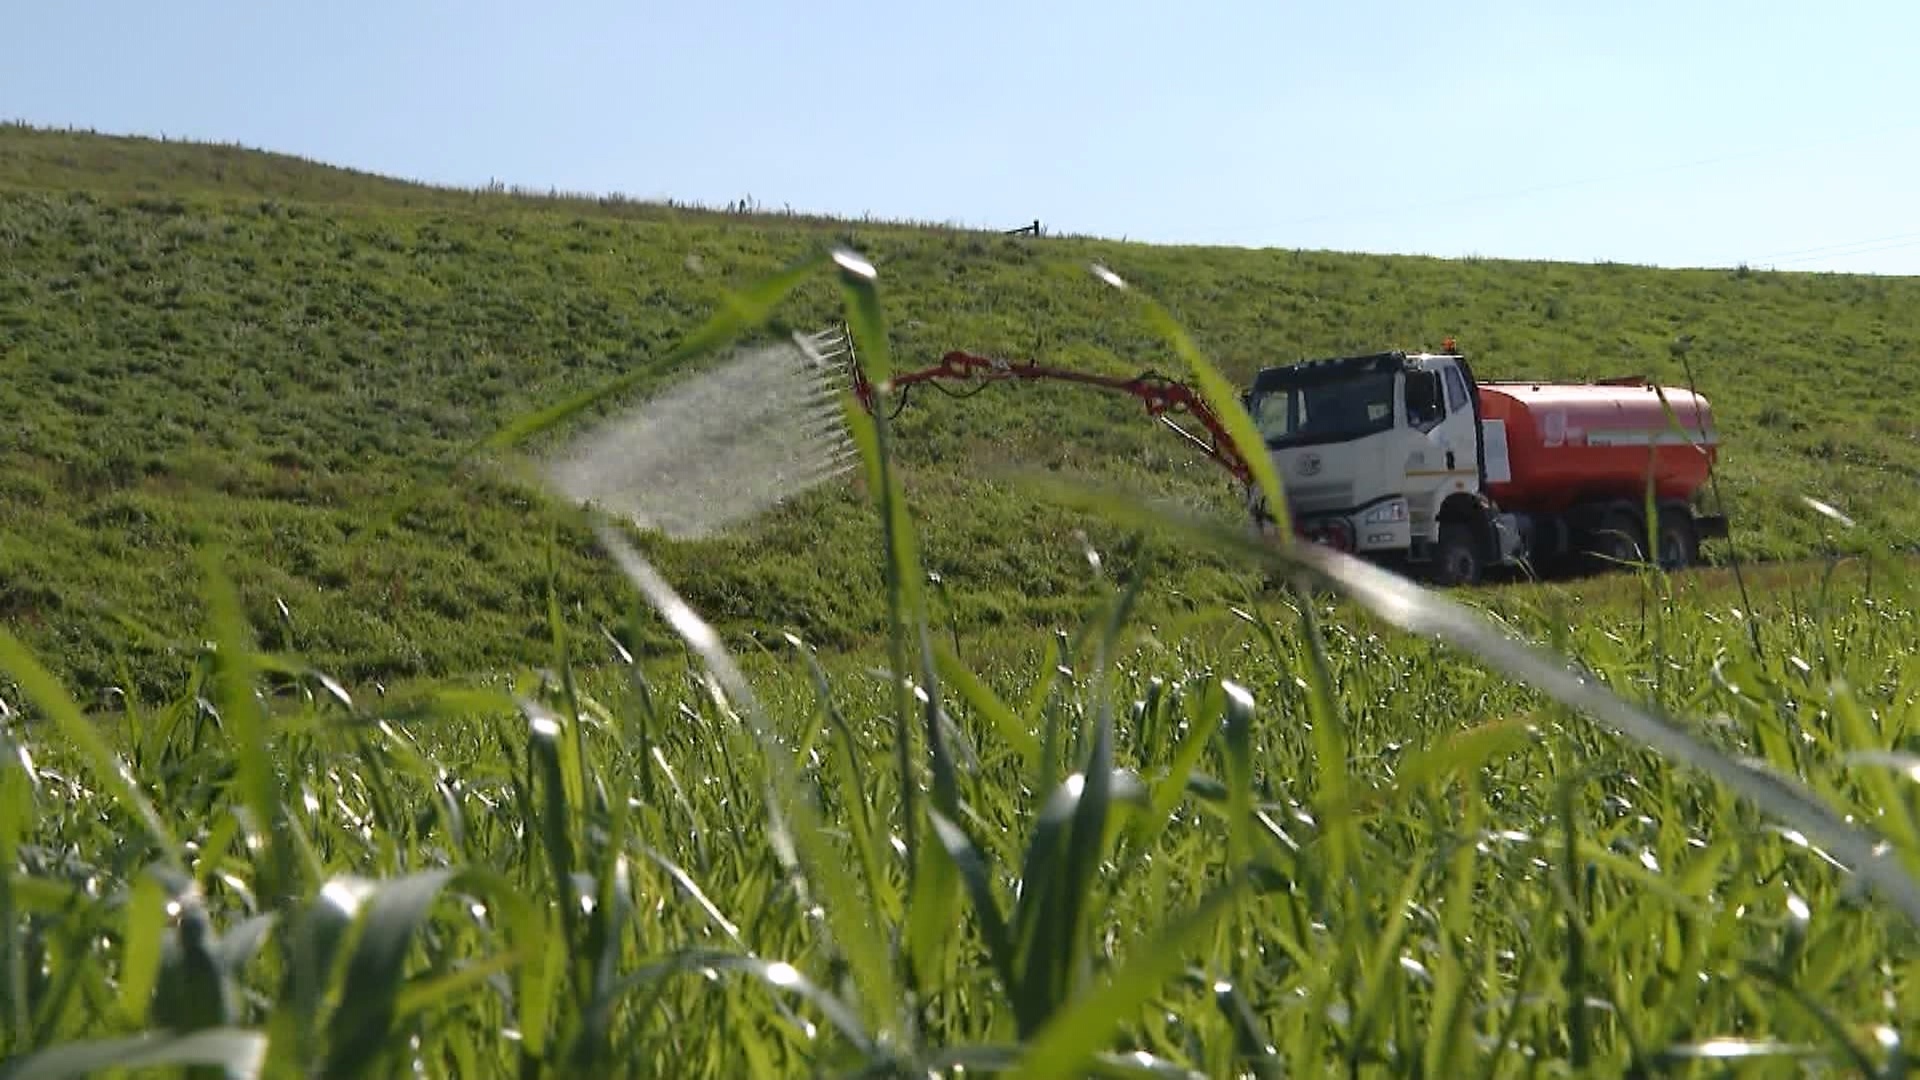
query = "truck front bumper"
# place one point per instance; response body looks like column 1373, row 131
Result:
column 1353, row 533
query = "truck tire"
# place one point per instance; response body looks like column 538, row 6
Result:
column 1619, row 540
column 1679, row 540
column 1457, row 559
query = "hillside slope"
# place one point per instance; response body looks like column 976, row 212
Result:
column 211, row 346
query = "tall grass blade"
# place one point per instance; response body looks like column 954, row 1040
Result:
column 1226, row 404
column 982, row 700
column 978, row 876
column 239, row 1052
column 1075, row 1035
column 244, row 720
column 357, row 1034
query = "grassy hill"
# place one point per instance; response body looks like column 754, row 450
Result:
column 204, row 345
column 1368, row 834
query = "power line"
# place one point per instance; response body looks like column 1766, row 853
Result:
column 1589, row 181
column 1836, row 249
column 1915, row 242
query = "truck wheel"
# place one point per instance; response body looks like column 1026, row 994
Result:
column 1456, row 558
column 1619, row 539
column 1679, row 541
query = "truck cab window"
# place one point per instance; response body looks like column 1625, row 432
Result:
column 1456, row 390
column 1424, row 405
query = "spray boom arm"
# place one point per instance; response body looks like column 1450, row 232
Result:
column 1161, row 395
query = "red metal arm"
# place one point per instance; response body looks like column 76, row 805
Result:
column 1161, row 396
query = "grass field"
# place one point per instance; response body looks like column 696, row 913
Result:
column 1211, row 828
column 206, row 345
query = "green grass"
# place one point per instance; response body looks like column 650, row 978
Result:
column 214, row 346
column 1347, row 827
column 1327, row 837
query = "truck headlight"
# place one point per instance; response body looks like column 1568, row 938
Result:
column 1387, row 513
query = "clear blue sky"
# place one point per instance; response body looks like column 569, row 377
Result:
column 1702, row 133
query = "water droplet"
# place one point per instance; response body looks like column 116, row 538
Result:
column 1734, row 1048
column 781, row 973
column 1828, row 509
column 852, row 263
column 346, row 894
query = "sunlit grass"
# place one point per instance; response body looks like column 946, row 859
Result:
column 211, row 347
column 1361, row 835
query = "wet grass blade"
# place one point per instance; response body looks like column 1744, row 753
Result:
column 1237, row 731
column 982, row 700
column 390, row 915
column 978, row 876
column 1077, row 1033
column 357, row 1033
column 145, row 932
column 239, row 1052
column 1225, row 400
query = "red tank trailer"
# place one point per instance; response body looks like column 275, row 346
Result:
column 1568, row 444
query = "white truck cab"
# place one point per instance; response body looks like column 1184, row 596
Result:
column 1383, row 456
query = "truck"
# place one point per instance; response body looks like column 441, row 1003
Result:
column 1409, row 460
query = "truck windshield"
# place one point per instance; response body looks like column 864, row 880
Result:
column 1321, row 411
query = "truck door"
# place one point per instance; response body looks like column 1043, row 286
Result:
column 1461, row 431
column 1438, row 405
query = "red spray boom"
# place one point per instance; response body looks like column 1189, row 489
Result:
column 1163, row 397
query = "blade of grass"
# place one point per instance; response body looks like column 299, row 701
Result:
column 1075, row 1035
column 1224, row 400
column 982, row 700
column 246, row 728
column 853, row 791
column 238, row 1051
column 391, row 915
column 978, row 876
